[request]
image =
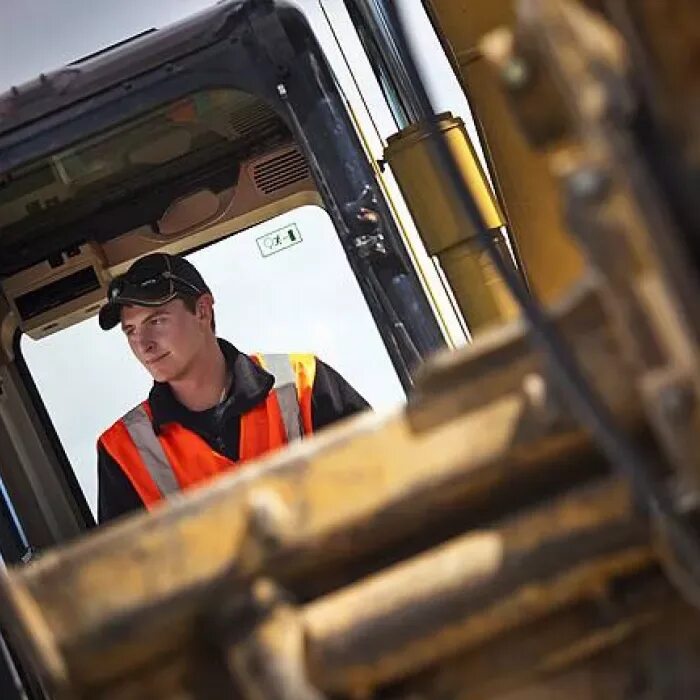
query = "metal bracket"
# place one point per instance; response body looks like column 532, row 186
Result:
column 368, row 241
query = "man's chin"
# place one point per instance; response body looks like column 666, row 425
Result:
column 160, row 374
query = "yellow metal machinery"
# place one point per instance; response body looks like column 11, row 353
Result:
column 522, row 176
column 526, row 527
column 478, row 289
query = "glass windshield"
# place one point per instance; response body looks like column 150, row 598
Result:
column 172, row 140
column 283, row 286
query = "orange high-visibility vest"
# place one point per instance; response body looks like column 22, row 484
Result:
column 178, row 458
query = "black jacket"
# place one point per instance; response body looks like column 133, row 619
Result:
column 332, row 398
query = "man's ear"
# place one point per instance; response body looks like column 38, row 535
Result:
column 204, row 306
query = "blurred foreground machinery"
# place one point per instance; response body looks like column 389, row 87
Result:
column 526, row 527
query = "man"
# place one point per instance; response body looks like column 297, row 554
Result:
column 211, row 407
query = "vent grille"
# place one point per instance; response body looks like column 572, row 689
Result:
column 249, row 121
column 280, row 171
column 254, row 119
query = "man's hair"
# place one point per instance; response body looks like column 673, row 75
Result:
column 190, row 302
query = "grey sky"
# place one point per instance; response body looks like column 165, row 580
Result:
column 40, row 35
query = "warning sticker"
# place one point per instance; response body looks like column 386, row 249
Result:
column 279, row 240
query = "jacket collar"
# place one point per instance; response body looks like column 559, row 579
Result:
column 250, row 386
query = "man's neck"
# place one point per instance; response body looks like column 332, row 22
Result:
column 205, row 383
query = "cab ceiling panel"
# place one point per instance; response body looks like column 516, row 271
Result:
column 107, row 143
column 129, row 176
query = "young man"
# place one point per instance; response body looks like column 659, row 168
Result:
column 211, row 407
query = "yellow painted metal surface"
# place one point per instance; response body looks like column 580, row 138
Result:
column 434, row 205
column 523, row 180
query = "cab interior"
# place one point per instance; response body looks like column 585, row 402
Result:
column 176, row 179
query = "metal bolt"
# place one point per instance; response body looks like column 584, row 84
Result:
column 539, row 394
column 265, row 593
column 367, row 216
column 516, row 73
column 588, row 183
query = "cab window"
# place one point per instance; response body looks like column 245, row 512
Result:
column 282, row 286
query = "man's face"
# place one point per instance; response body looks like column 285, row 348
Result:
column 167, row 340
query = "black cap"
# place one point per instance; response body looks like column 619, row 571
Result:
column 152, row 280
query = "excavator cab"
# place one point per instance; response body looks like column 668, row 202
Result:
column 227, row 129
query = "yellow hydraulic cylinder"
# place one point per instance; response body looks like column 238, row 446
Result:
column 527, row 191
column 479, row 291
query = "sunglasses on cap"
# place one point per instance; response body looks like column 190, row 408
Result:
column 152, row 280
column 154, row 289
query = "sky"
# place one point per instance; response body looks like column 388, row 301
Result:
column 78, row 386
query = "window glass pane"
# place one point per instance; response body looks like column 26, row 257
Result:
column 159, row 146
column 283, row 286
column 13, row 542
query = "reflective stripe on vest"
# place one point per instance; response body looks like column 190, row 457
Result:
column 281, row 368
column 138, row 425
column 159, row 466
